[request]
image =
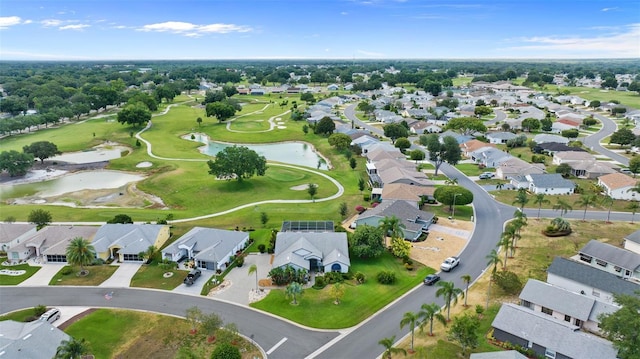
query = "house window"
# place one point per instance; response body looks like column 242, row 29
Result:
column 578, row 322
column 546, row 310
column 131, row 257
column 525, row 303
column 617, row 269
column 627, row 273
column 585, row 258
column 335, row 267
column 601, row 263
column 551, row 354
column 567, row 318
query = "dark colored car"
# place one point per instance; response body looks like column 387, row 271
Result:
column 431, row 279
column 192, row 276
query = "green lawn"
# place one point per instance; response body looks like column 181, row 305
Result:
column 471, row 169
column 24, row 315
column 13, row 280
column 152, row 276
column 97, row 274
column 316, row 308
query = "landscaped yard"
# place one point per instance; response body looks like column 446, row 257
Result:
column 17, row 279
column 20, row 315
column 471, row 169
column 97, row 274
column 316, row 309
column 153, row 276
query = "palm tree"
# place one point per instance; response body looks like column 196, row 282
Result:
column 635, row 188
column 254, row 269
column 540, row 200
column 634, row 206
column 450, row 294
column 586, row 201
column 387, row 343
column 493, row 260
column 294, row 290
column 71, row 349
column 430, row 312
column 511, row 233
column 466, row 279
column 392, row 227
column 80, row 252
column 451, row 181
column 499, row 186
column 562, row 206
column 410, row 318
column 521, row 198
column 148, row 254
column 505, row 244
column 608, row 201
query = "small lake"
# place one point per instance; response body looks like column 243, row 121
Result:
column 70, row 183
column 295, row 153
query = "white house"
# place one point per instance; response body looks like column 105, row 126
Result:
column 618, row 186
column 549, row 183
column 498, row 138
column 617, row 261
column 324, row 252
column 632, row 242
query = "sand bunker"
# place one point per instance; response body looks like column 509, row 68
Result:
column 301, row 187
column 145, row 164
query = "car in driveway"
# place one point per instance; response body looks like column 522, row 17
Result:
column 450, row 263
column 192, row 276
column 431, row 279
column 486, row 175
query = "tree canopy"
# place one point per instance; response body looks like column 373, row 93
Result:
column 448, row 151
column 466, row 125
column 340, row 141
column 80, row 252
column 367, row 241
column 445, row 195
column 395, row 131
column 136, row 114
column 622, row 327
column 325, row 126
column 15, row 163
column 42, row 150
column 221, row 110
column 622, row 137
column 238, row 162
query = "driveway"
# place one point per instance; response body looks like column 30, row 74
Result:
column 122, row 276
column 43, row 276
column 196, row 287
column 240, row 283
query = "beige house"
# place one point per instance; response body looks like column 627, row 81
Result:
column 515, row 167
column 571, row 156
column 618, row 186
column 125, row 242
column 50, row 243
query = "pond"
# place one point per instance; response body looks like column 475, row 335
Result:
column 70, row 183
column 295, row 153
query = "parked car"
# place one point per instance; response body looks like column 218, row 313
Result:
column 192, row 276
column 50, row 315
column 431, row 279
column 486, row 175
column 450, row 263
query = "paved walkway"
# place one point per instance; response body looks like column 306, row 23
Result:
column 241, row 283
column 43, row 276
column 122, row 276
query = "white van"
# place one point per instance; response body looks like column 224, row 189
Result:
column 51, row 315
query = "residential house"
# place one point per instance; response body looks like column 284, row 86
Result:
column 563, row 125
column 323, row 252
column 415, row 221
column 592, row 169
column 473, row 145
column 403, row 175
column 547, row 336
column 507, row 354
column 12, row 234
column 383, row 150
column 500, row 137
column 587, row 280
column 419, row 127
column 618, row 186
column 514, row 123
column 517, row 167
column 549, row 183
column 406, row 192
column 614, row 260
column 458, row 137
column 416, row 113
column 209, row 248
column 571, row 156
column 258, row 92
column 49, row 239
column 546, row 138
column 333, row 87
column 489, row 156
column 125, row 242
column 34, row 340
column 562, row 304
column 632, row 242
column 551, row 148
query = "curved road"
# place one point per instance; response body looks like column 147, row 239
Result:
column 593, row 141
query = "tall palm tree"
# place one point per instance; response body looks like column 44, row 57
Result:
column 511, row 232
column 586, row 201
column 493, row 259
column 392, row 227
column 430, row 312
column 71, row 349
column 410, row 319
column 521, row 198
column 540, row 200
column 562, row 206
column 505, row 244
column 389, row 349
column 634, row 206
column 466, row 279
column 608, row 201
column 80, row 252
column 450, row 294
column 254, row 269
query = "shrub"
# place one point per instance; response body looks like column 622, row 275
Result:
column 97, row 262
column 408, row 266
column 262, row 248
column 386, row 277
column 359, row 209
column 38, row 310
column 226, row 351
column 320, row 283
column 508, row 282
column 270, row 250
column 360, row 277
column 333, row 277
column 479, row 309
column 366, row 197
column 66, row 270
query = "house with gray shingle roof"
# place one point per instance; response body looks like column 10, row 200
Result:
column 614, row 260
column 588, row 281
column 546, row 138
column 632, row 242
column 324, row 252
column 517, row 167
column 592, row 169
column 547, row 336
column 210, row 248
column 12, row 234
column 50, row 243
column 549, row 183
column 498, row 138
column 34, row 340
column 124, row 242
column 415, row 221
column 489, row 156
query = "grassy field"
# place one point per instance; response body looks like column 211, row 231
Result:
column 14, row 280
column 471, row 169
column 152, row 276
column 97, row 275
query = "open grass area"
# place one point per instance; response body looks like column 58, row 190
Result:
column 471, row 169
column 152, row 276
column 97, row 274
column 316, row 309
column 461, row 81
column 25, row 315
column 17, row 279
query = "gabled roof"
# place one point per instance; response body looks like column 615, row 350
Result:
column 211, row 244
column 558, row 299
column 11, row 231
column 502, row 135
column 405, row 191
column 610, row 254
column 401, row 209
column 549, row 180
column 132, row 238
column 551, row 333
column 545, row 138
column 617, row 180
column 558, row 147
column 473, row 145
column 54, row 239
column 574, row 156
column 297, row 247
column 394, row 174
column 634, row 237
column 593, row 166
column 517, row 165
column 33, row 340
column 590, row 276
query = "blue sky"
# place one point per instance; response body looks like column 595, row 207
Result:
column 314, row 29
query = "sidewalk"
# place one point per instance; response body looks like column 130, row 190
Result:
column 122, row 276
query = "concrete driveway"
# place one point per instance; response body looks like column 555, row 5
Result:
column 122, row 276
column 240, row 283
column 43, row 276
column 196, row 287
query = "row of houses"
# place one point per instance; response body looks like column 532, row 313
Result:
column 560, row 318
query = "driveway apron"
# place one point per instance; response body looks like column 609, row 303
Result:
column 43, row 276
column 122, row 276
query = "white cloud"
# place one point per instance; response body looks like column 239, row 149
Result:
column 620, row 44
column 344, row 13
column 51, row 22
column 193, row 30
column 7, row 21
column 609, row 9
column 25, row 55
column 78, row 27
